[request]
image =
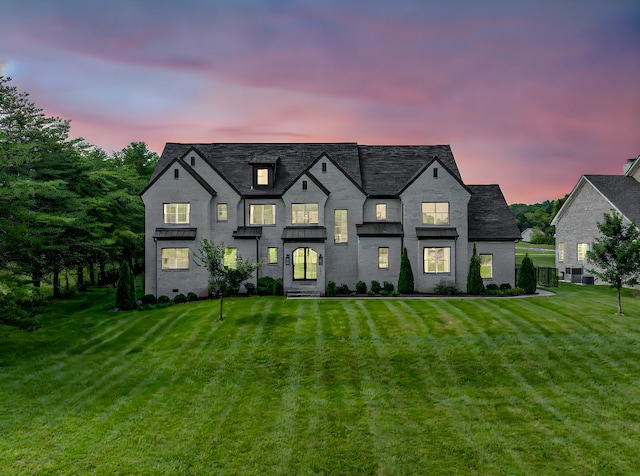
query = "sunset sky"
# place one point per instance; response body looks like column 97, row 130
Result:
column 529, row 94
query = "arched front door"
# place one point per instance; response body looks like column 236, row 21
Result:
column 305, row 264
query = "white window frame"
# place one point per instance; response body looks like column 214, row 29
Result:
column 231, row 257
column 436, row 213
column 257, row 213
column 262, row 176
column 304, row 214
column 445, row 260
column 175, row 258
column 582, row 251
column 272, row 255
column 383, row 257
column 222, row 209
column 486, row 263
column 341, row 226
column 177, row 213
column 560, row 252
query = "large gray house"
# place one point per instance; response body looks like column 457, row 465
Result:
column 577, row 221
column 320, row 212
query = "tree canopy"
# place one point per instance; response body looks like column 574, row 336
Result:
column 616, row 253
column 223, row 278
column 64, row 204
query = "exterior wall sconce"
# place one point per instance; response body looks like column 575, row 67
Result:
column 287, row 260
column 320, row 259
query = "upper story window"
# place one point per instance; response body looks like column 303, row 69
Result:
column 341, row 226
column 222, row 212
column 435, row 213
column 263, row 176
column 263, row 214
column 177, row 213
column 304, row 213
column 381, row 211
column 560, row 251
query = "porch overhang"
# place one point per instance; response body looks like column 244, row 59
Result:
column 377, row 229
column 305, row 234
column 175, row 234
column 436, row 233
column 247, row 233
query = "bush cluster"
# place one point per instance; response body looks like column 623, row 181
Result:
column 332, row 289
column 446, row 288
column 268, row 286
column 361, row 287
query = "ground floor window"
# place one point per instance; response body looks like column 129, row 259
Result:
column 486, row 266
column 175, row 258
column 272, row 255
column 582, row 251
column 305, row 264
column 383, row 258
column 231, row 257
column 437, row 260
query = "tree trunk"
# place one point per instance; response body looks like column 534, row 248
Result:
column 56, row 283
column 619, row 303
column 92, row 274
column 80, row 278
column 221, row 299
column 101, row 276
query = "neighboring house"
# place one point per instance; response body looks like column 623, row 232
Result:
column 320, row 212
column 577, row 221
column 527, row 234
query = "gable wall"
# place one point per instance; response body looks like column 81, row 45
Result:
column 578, row 224
column 341, row 259
column 167, row 189
column 444, row 188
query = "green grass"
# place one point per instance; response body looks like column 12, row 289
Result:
column 540, row 385
column 542, row 255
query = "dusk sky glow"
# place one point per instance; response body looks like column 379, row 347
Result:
column 529, row 94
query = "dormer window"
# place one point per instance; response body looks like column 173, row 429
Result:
column 263, row 175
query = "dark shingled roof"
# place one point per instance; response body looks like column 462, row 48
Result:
column 390, row 228
column 386, row 169
column 378, row 170
column 489, row 216
column 175, row 233
column 622, row 191
column 234, row 160
column 304, row 233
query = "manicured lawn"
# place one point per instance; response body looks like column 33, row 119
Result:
column 541, row 385
column 542, row 255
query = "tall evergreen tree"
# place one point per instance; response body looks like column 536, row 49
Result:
column 527, row 276
column 126, row 289
column 475, row 285
column 405, row 280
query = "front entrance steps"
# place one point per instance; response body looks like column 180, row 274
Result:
column 303, row 292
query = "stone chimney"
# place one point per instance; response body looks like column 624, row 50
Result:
column 629, row 163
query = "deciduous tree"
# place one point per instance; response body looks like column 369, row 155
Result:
column 616, row 253
column 222, row 278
